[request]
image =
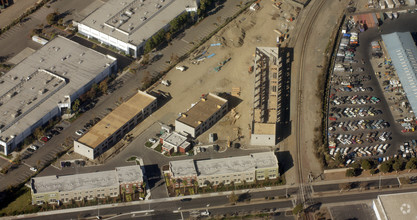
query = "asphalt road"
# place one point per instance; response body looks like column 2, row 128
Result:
column 217, row 205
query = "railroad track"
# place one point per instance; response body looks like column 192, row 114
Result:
column 302, row 190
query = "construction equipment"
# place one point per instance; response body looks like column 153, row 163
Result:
column 221, row 64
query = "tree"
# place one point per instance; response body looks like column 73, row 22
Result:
column 411, row 164
column 350, row 172
column 372, row 171
column 168, row 36
column 366, row 164
column 345, row 186
column 184, row 184
column 363, row 185
column 385, row 167
column 76, row 105
column 91, row 94
column 38, row 133
column 103, row 86
column 297, row 209
column 233, row 198
column 52, row 18
column 149, row 45
column 397, row 166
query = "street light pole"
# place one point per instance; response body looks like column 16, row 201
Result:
column 380, row 181
column 179, row 209
column 207, row 207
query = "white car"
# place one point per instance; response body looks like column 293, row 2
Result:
column 205, row 213
column 33, row 147
column 80, row 132
column 152, row 140
column 33, row 169
column 181, row 68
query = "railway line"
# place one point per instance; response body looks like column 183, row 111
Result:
column 304, row 190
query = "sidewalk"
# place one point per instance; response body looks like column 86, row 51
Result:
column 359, row 179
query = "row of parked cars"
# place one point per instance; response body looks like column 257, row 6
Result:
column 337, row 113
column 359, row 124
column 354, row 100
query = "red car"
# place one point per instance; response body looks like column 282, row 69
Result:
column 45, row 138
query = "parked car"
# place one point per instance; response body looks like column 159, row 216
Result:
column 80, row 132
column 33, row 147
column 34, row 169
column 205, row 213
column 59, row 128
column 152, row 140
column 45, row 138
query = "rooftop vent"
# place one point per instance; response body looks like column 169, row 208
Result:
column 184, row 115
column 200, row 122
column 82, row 54
column 41, row 60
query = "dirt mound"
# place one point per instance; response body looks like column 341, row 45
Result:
column 232, row 36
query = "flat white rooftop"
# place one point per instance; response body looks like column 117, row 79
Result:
column 399, row 206
column 182, row 168
column 129, row 174
column 237, row 164
column 77, row 182
column 173, row 138
column 133, row 21
column 35, row 86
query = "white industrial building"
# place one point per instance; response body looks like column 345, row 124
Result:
column 128, row 24
column 266, row 96
column 44, row 84
column 396, row 206
column 115, row 125
column 202, row 115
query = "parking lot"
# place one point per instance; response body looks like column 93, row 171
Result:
column 360, row 120
column 354, row 211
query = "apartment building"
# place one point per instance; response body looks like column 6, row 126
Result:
column 86, row 186
column 256, row 166
column 182, row 171
column 202, row 115
column 115, row 125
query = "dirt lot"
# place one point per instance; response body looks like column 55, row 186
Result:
column 238, row 42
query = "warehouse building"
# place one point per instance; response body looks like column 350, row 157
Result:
column 115, row 125
column 403, row 52
column 128, row 24
column 44, row 85
column 256, row 166
column 64, row 189
column 396, row 206
column 266, row 96
column 201, row 116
